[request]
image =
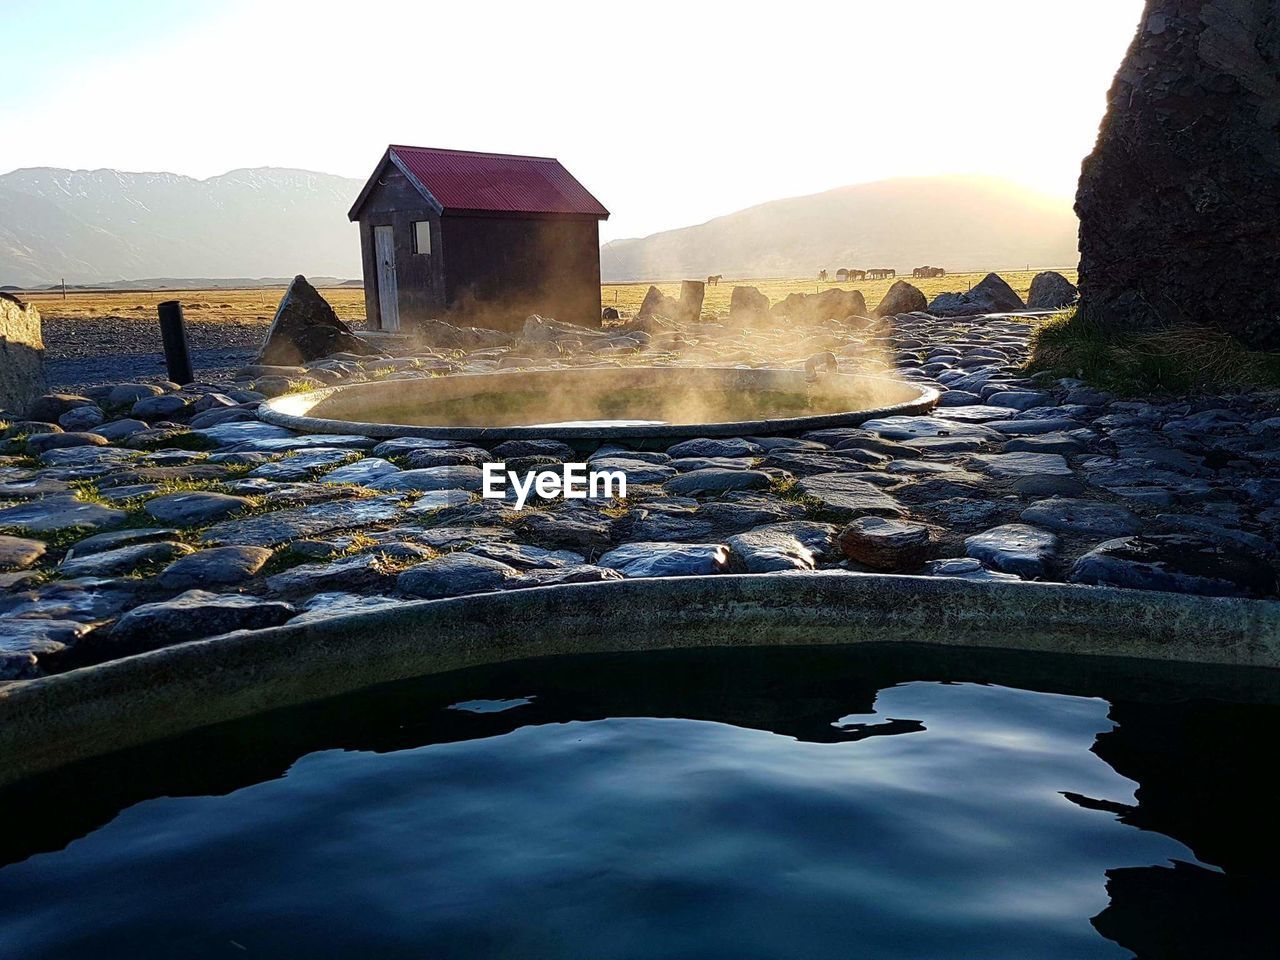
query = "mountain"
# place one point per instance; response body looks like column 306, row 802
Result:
column 960, row 223
column 95, row 226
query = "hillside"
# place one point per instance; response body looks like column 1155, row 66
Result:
column 92, row 226
column 960, row 223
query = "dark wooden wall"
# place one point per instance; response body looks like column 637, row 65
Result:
column 483, row 270
column 503, row 269
column 396, row 203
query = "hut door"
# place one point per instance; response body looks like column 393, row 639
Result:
column 384, row 245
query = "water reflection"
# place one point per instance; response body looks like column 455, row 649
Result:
column 1200, row 764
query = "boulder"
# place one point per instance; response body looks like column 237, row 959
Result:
column 748, row 305
column 990, row 295
column 1050, row 290
column 1178, row 203
column 902, row 297
column 887, row 544
column 306, row 328
column 22, row 377
column 830, row 304
column 688, row 308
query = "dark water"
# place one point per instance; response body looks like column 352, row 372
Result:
column 750, row 804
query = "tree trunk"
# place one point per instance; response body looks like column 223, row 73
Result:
column 1179, row 202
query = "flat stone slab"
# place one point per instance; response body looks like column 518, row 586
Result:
column 190, row 616
column 197, row 508
column 122, row 560
column 637, row 471
column 848, row 495
column 1082, row 518
column 965, row 568
column 230, row 434
column 19, row 553
column 715, row 447
column 54, row 514
column 281, row 526
column 919, row 428
column 667, row 559
column 459, row 477
column 769, row 549
column 1177, row 563
column 1014, row 465
column 304, row 465
column 454, row 575
column 714, row 481
column 361, row 472
column 217, row 566
column 1014, row 548
column 24, row 642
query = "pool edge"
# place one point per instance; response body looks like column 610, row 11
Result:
column 52, row 721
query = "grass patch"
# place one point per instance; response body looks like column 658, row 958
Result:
column 1173, row 360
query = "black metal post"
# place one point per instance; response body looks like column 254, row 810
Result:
column 177, row 357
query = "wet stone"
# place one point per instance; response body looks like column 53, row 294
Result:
column 1014, row 548
column 369, row 571
column 25, row 643
column 524, row 557
column 89, row 600
column 281, row 526
column 1082, row 518
column 304, row 465
column 454, row 575
column 122, row 560
column 432, row 478
column 44, row 442
column 55, row 514
column 635, row 560
column 195, row 509
column 361, row 472
column 715, row 447
column 965, row 568
column 1178, row 563
column 217, row 566
column 119, row 538
column 766, row 550
column 193, row 615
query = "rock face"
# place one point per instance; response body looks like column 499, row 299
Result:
column 1050, row 290
column 990, row 295
column 306, row 328
column 21, row 355
column 1179, row 200
column 902, row 297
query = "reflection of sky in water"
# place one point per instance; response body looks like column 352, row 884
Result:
column 628, row 838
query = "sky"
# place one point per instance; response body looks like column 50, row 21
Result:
column 670, row 113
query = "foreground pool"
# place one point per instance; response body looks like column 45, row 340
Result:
column 737, row 804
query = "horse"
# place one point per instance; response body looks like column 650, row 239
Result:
column 714, row 280
column 822, row 275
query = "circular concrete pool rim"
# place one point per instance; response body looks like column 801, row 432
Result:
column 346, row 409
column 52, row 721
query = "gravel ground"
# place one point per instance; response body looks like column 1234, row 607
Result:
column 85, row 351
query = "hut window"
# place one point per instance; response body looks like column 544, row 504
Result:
column 422, row 236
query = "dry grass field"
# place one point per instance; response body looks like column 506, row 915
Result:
column 254, row 308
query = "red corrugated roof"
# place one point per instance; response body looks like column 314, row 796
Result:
column 462, row 180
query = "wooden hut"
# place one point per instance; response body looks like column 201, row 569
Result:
column 478, row 238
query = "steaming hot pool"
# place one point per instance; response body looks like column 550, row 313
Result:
column 599, row 403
